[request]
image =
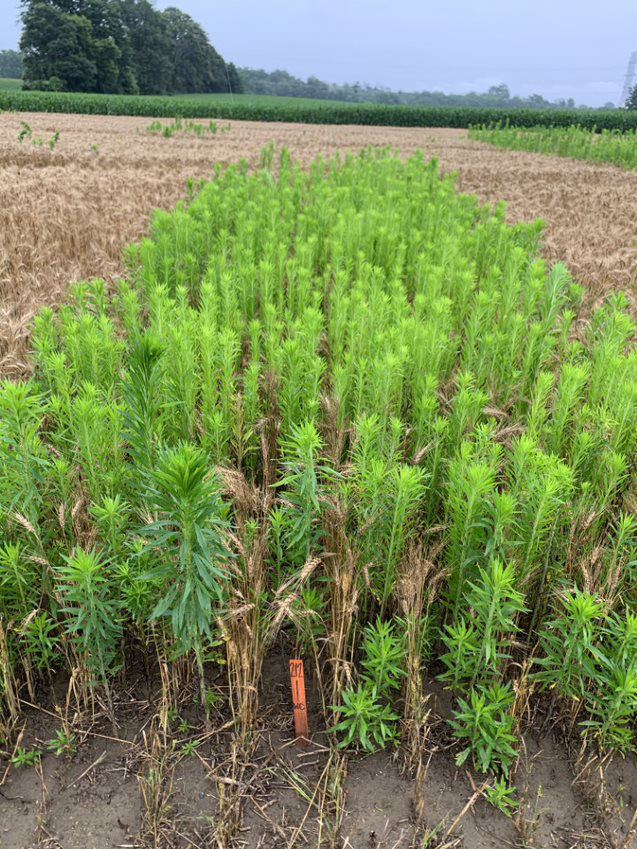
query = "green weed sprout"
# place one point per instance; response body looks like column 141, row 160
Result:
column 25, row 757
column 63, row 744
column 485, row 723
column 385, row 658
column 366, row 723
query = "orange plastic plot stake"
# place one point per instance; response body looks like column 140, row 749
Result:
column 297, row 680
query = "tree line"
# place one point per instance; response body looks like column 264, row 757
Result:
column 120, row 47
column 282, row 83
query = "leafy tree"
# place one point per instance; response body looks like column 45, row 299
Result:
column 197, row 66
column 150, row 46
column 82, row 43
column 235, row 85
column 631, row 102
column 57, row 45
column 119, row 46
column 317, row 88
column 10, row 64
column 111, row 45
column 501, row 91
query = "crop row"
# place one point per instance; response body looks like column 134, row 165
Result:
column 255, row 108
column 350, row 404
column 611, row 146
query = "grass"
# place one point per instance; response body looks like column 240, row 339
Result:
column 11, row 85
column 351, row 408
column 607, row 146
column 292, row 109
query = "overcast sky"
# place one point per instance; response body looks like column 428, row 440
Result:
column 557, row 48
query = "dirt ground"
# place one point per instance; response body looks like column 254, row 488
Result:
column 95, row 799
column 67, row 214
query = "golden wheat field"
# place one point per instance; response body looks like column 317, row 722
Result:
column 67, row 214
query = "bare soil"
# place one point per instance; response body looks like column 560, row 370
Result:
column 93, row 799
column 67, row 214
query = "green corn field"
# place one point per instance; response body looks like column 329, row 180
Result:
column 250, row 107
column 349, row 408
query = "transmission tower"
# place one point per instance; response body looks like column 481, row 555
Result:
column 629, row 79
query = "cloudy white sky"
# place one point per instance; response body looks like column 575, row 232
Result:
column 557, row 48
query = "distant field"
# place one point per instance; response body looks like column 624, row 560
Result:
column 269, row 100
column 300, row 110
column 10, row 85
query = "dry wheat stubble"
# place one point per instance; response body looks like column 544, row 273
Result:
column 67, row 215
